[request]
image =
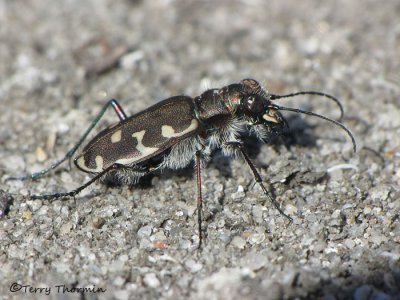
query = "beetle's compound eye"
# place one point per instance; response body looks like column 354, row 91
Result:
column 254, row 104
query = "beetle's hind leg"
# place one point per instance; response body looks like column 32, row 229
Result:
column 74, row 192
column 118, row 110
column 100, row 176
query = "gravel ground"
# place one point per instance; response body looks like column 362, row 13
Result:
column 62, row 60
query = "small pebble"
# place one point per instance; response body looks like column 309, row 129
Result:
column 144, row 231
column 8, row 225
column 98, row 222
column 159, row 235
column 254, row 261
column 119, row 281
column 225, row 238
column 193, row 266
column 367, row 210
column 159, row 245
column 27, row 215
column 349, row 243
column 378, row 239
column 336, row 214
column 129, row 60
column 65, row 212
column 34, row 205
column 41, row 155
column 151, row 280
column 122, row 295
column 239, row 242
column 66, row 228
column 291, row 209
column 239, row 194
column 257, row 238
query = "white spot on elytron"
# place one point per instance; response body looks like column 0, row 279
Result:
column 81, row 163
column 99, row 164
column 269, row 118
column 116, row 136
column 140, row 147
column 169, row 132
column 145, row 151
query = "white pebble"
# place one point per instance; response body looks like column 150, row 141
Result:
column 239, row 242
column 193, row 266
column 151, row 280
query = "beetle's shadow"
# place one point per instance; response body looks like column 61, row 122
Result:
column 146, row 182
column 298, row 133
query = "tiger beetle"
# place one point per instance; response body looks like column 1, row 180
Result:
column 181, row 130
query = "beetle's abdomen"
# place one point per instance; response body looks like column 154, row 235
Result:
column 141, row 136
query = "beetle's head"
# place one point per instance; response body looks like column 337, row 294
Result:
column 256, row 106
column 259, row 110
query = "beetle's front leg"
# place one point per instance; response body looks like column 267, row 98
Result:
column 257, row 176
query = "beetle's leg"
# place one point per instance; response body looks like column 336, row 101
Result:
column 76, row 191
column 257, row 177
column 122, row 116
column 118, row 109
column 199, row 195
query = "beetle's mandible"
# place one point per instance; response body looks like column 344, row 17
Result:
column 181, row 130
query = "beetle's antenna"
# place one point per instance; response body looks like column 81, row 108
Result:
column 297, row 110
column 274, row 97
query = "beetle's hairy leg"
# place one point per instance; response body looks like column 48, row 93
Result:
column 122, row 116
column 199, row 195
column 127, row 175
column 257, row 177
